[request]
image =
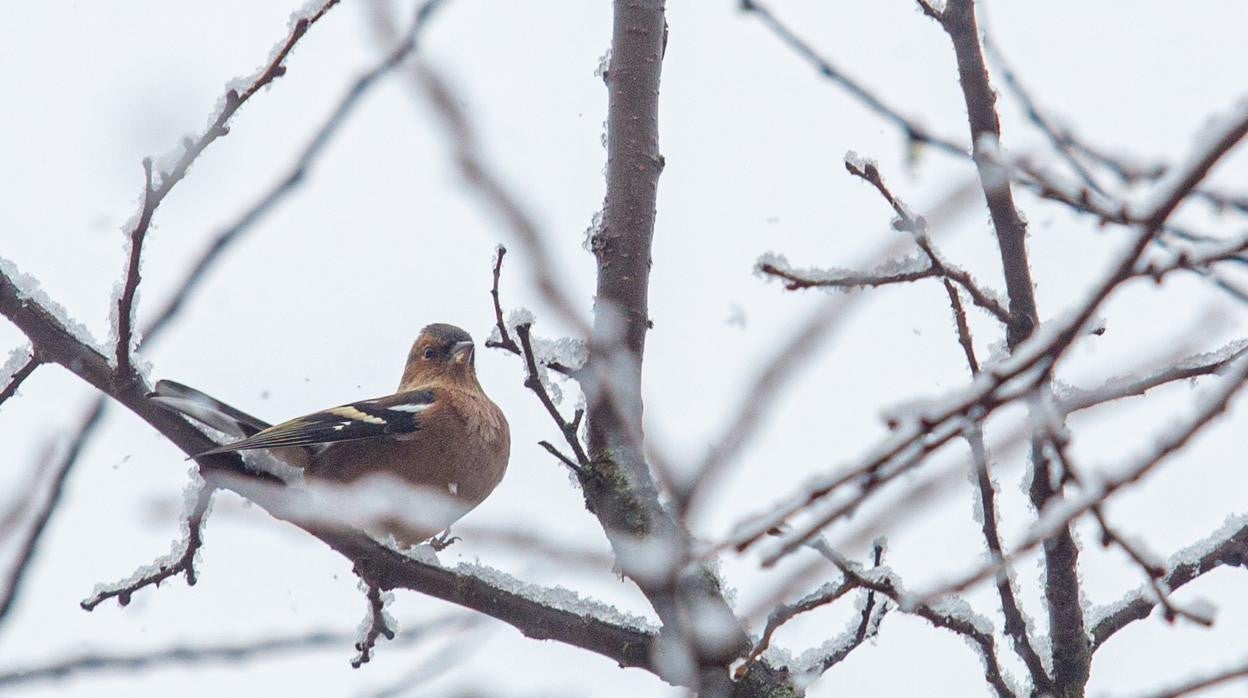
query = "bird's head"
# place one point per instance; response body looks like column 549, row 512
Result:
column 441, row 353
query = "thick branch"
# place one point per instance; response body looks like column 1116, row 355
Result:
column 620, row 488
column 624, row 644
column 1071, row 658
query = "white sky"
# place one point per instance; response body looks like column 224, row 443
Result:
column 318, row 305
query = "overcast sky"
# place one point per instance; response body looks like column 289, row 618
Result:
column 319, row 303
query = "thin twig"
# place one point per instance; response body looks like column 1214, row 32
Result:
column 1015, row 622
column 233, row 654
column 1097, row 493
column 917, row 226
column 885, row 582
column 533, row 382
column 182, row 563
column 18, row 377
column 158, row 184
column 914, row 132
column 377, row 626
column 1231, row 673
column 1149, row 569
column 505, row 341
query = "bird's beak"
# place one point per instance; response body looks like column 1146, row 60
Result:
column 461, row 352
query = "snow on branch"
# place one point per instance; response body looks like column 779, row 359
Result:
column 952, row 613
column 1226, row 546
column 916, row 225
column 897, row 271
column 377, row 623
column 161, row 176
column 20, row 364
column 180, row 560
column 1061, row 512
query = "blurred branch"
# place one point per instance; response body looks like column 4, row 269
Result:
column 1061, row 139
column 490, row 188
column 56, row 488
column 914, row 132
column 225, row 653
column 1063, row 512
column 1069, row 146
column 1231, row 673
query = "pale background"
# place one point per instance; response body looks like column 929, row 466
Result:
column 318, row 304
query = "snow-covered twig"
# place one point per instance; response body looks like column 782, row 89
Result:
column 533, row 382
column 377, row 623
column 181, row 560
column 22, row 362
column 1063, row 512
column 1152, row 570
column 899, row 271
column 159, row 180
column 952, row 614
column 1226, row 546
column 824, row 595
column 1187, row 368
column 917, row 226
column 1042, row 350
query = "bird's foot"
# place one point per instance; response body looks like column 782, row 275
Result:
column 443, row 540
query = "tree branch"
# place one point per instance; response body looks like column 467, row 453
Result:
column 1226, row 547
column 235, row 654
column 178, row 562
column 624, row 644
column 18, row 376
column 974, row 628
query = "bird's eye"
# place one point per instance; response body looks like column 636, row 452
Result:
column 429, row 353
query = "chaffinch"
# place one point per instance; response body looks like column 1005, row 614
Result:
column 439, row 431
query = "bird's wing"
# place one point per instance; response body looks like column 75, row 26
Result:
column 393, row 415
column 205, row 409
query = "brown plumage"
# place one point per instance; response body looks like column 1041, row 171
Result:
column 438, row 432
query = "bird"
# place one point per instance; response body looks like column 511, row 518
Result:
column 438, row 432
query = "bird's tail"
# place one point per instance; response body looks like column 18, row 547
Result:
column 205, row 409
